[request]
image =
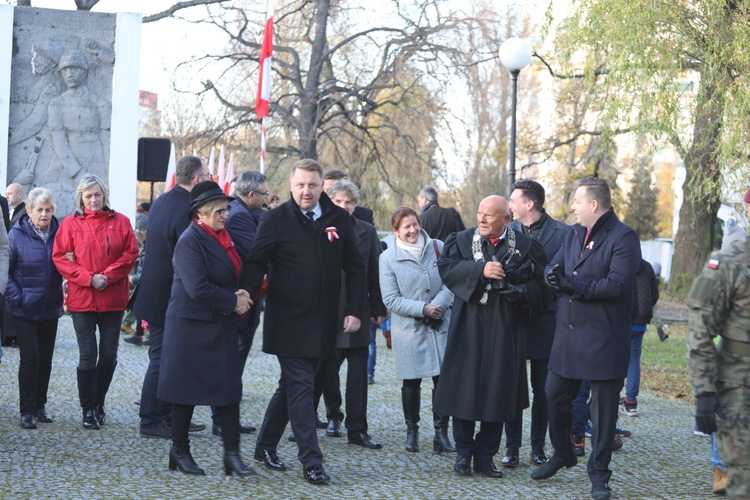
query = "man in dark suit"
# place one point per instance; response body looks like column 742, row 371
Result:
column 527, row 204
column 353, row 347
column 361, row 213
column 250, row 192
column 439, row 222
column 306, row 241
column 168, row 218
column 594, row 270
column 14, row 193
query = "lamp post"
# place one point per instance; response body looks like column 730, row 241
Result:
column 515, row 54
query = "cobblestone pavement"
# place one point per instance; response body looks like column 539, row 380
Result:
column 663, row 459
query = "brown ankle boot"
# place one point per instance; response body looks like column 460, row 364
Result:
column 720, row 481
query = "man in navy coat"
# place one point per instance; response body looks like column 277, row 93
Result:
column 594, row 271
column 527, row 204
column 306, row 241
column 168, row 218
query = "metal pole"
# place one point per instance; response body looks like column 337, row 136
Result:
column 512, row 165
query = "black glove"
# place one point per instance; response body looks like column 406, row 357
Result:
column 662, row 334
column 556, row 282
column 433, row 323
column 706, row 409
column 515, row 294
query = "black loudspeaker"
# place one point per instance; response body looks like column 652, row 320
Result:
column 153, row 159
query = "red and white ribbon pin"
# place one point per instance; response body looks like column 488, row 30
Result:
column 332, row 234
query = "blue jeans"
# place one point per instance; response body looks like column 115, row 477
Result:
column 633, row 382
column 373, row 357
column 581, row 409
column 715, row 457
column 85, row 324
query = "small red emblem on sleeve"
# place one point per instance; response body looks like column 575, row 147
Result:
column 713, row 264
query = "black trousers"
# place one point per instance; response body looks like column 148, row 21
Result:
column 229, row 417
column 36, row 343
column 327, row 381
column 605, row 397
column 293, row 403
column 484, row 445
column 539, row 413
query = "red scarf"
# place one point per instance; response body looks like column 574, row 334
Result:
column 223, row 239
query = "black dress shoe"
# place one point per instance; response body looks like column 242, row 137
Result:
column 462, row 465
column 90, row 421
column 27, row 422
column 43, row 416
column 550, row 468
column 247, row 429
column 193, row 427
column 269, row 459
column 334, row 428
column 157, row 431
column 511, row 457
column 600, row 491
column 101, row 415
column 316, row 475
column 538, row 457
column 487, row 467
column 365, row 441
column 320, row 424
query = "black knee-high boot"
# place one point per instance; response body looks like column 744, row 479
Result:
column 86, row 394
column 410, row 397
column 104, row 376
column 442, row 442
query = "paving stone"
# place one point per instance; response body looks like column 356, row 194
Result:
column 663, row 459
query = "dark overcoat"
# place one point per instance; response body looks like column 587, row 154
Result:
column 439, row 222
column 167, row 219
column 540, row 335
column 17, row 213
column 242, row 225
column 200, row 362
column 369, row 247
column 483, row 377
column 592, row 339
column 304, row 262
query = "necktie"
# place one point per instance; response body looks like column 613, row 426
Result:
column 311, row 216
column 586, row 239
column 495, row 241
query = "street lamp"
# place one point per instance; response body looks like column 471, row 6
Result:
column 515, row 54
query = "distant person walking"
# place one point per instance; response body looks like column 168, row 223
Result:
column 437, row 221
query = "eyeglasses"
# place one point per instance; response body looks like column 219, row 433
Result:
column 204, row 177
column 221, row 211
column 260, row 192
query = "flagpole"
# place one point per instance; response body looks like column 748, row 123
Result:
column 263, row 145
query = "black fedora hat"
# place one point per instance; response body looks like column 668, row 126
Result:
column 206, row 191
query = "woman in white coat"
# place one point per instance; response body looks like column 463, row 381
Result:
column 420, row 310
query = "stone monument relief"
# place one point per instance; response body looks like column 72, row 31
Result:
column 60, row 106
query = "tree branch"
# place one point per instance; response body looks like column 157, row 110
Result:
column 173, row 9
column 597, row 72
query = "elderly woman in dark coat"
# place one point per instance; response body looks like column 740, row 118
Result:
column 35, row 300
column 200, row 363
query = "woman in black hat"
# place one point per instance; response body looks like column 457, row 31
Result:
column 200, row 362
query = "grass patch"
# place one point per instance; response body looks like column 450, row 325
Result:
column 664, row 370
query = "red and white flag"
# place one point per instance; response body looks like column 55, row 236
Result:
column 220, row 174
column 230, row 175
column 171, row 170
column 266, row 54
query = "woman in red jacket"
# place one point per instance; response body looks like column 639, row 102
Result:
column 95, row 248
